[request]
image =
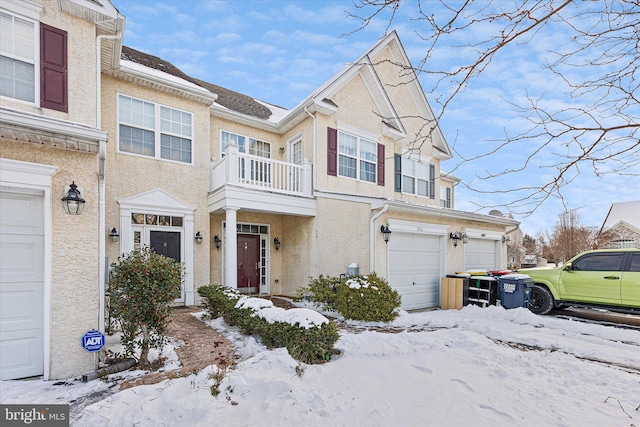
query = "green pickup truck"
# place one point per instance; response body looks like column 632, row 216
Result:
column 608, row 278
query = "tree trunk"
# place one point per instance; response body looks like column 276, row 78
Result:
column 144, row 355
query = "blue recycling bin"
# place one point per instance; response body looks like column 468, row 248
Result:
column 514, row 289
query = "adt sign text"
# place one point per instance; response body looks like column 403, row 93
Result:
column 93, row 341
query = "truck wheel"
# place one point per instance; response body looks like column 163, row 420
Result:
column 540, row 300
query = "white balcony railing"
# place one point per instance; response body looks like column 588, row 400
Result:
column 261, row 173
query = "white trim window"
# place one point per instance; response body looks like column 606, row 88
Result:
column 256, row 146
column 357, row 157
column 445, row 196
column 154, row 130
column 19, row 63
column 416, row 177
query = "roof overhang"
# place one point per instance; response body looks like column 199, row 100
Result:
column 108, row 22
column 405, row 207
column 170, row 85
column 37, row 129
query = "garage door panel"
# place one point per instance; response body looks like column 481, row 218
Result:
column 21, row 258
column 480, row 254
column 21, row 306
column 414, row 269
column 21, row 286
column 21, row 355
column 20, row 214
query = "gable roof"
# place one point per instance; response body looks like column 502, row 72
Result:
column 237, row 106
column 227, row 98
column 628, row 212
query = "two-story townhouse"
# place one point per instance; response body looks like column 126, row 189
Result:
column 307, row 191
column 51, row 268
column 244, row 193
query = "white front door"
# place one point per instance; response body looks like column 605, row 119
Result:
column 21, row 285
column 480, row 254
column 414, row 269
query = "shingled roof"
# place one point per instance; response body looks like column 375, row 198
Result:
column 232, row 100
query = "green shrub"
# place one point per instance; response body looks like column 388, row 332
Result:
column 142, row 286
column 367, row 298
column 322, row 291
column 307, row 345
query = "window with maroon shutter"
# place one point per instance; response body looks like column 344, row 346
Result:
column 332, row 152
column 380, row 164
column 53, row 68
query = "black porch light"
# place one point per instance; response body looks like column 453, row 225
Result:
column 276, row 242
column 198, row 237
column 72, row 202
column 217, row 241
column 386, row 233
column 115, row 236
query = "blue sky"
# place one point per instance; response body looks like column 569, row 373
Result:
column 279, row 51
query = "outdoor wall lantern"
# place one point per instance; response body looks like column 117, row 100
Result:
column 198, row 237
column 458, row 235
column 217, row 241
column 115, row 236
column 384, row 229
column 276, row 242
column 506, row 239
column 72, row 202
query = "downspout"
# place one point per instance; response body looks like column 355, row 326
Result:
column 102, row 157
column 315, row 176
column 313, row 267
column 372, row 235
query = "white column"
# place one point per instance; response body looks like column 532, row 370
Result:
column 231, row 249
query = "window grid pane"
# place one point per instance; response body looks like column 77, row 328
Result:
column 228, row 138
column 175, row 148
column 367, row 171
column 347, row 166
column 137, row 141
column 423, row 188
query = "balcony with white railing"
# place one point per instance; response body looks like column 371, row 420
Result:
column 256, row 183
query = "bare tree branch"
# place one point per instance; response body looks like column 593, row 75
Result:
column 597, row 128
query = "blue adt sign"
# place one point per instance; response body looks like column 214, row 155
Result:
column 93, row 341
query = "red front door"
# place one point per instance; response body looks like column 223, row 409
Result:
column 248, row 263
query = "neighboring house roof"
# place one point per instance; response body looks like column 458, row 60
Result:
column 627, row 212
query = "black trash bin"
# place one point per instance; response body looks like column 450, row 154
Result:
column 514, row 289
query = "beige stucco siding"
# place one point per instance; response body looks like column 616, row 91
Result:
column 74, row 255
column 128, row 174
column 81, row 60
column 341, row 236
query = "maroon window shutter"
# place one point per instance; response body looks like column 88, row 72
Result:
column 380, row 164
column 53, row 68
column 332, row 152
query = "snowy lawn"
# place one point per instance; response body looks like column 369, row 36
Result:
column 474, row 367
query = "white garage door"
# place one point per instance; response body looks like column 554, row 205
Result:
column 414, row 269
column 21, row 286
column 480, row 254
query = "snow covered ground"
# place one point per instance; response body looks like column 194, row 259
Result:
column 474, row 367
